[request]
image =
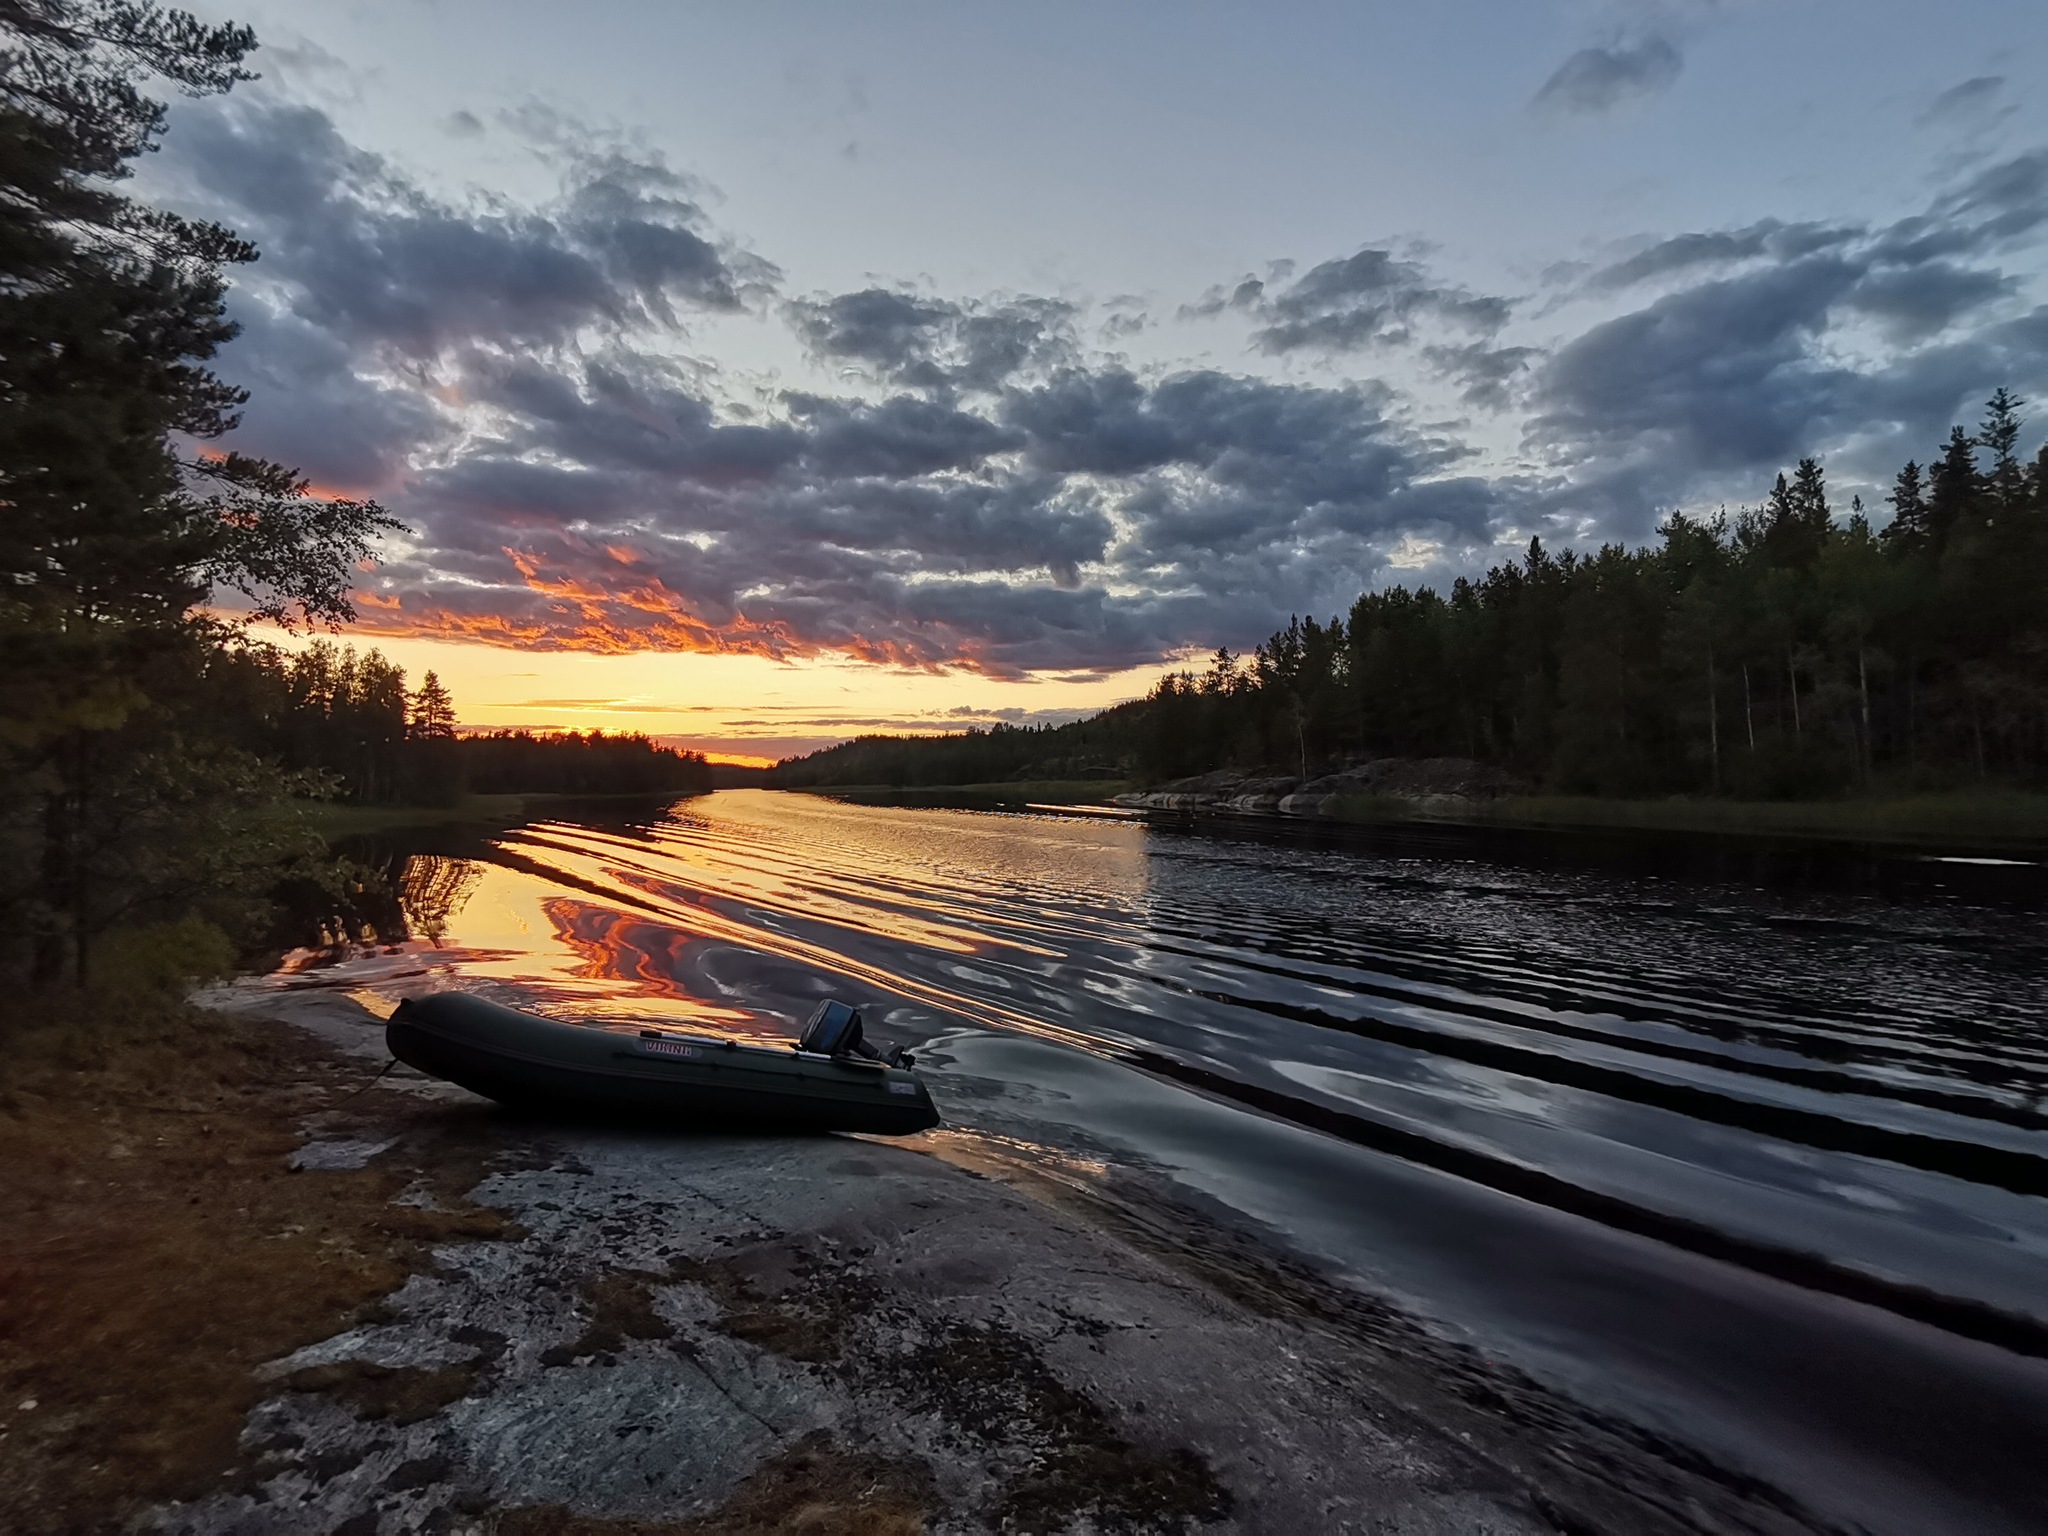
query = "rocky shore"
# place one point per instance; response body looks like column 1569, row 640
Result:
column 542, row 1328
column 1443, row 785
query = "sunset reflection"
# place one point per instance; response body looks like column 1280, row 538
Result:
column 738, row 925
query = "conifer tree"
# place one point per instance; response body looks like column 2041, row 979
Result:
column 111, row 529
column 1909, row 527
column 1955, row 488
column 2005, row 481
column 433, row 711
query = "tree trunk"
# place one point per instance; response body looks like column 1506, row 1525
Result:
column 1713, row 727
column 1863, row 693
column 1792, row 672
column 1748, row 714
column 1912, row 707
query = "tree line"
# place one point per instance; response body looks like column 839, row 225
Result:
column 1095, row 748
column 326, row 709
column 1781, row 652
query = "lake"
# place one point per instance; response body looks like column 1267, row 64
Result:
column 1747, row 1143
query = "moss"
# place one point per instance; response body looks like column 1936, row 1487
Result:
column 815, row 1488
column 163, row 1249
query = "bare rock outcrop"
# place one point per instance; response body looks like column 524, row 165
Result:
column 1441, row 784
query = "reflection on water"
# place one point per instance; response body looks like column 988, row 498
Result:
column 1828, row 1069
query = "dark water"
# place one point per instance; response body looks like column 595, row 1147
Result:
column 1750, row 1146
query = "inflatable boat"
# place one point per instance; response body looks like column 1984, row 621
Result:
column 830, row 1080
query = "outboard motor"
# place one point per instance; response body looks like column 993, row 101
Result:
column 835, row 1030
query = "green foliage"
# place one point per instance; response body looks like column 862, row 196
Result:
column 121, row 798
column 1786, row 654
column 433, row 711
column 163, row 959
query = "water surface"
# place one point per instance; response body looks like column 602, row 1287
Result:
column 1749, row 1145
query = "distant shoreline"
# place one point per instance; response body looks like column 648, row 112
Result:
column 333, row 820
column 2009, row 821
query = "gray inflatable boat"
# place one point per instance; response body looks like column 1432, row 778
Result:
column 830, row 1080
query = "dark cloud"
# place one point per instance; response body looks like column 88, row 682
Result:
column 1715, row 376
column 1243, row 294
column 1371, row 298
column 310, row 407
column 1596, row 80
column 1683, row 254
column 1745, row 364
column 1088, row 521
column 1481, row 372
column 463, row 124
column 927, row 343
column 1916, row 302
column 513, row 382
column 367, row 256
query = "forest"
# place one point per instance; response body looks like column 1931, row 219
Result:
column 326, row 710
column 1790, row 650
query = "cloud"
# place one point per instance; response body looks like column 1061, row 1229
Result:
column 1971, row 101
column 967, row 484
column 1689, row 253
column 1774, row 340
column 353, row 247
column 1912, row 303
column 1482, row 372
column 1369, row 299
column 1087, row 522
column 935, row 344
column 1596, row 80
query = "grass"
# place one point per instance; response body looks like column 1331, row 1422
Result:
column 160, row 1248
column 333, row 820
column 974, row 796
column 1987, row 818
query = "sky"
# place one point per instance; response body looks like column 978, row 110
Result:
column 757, row 376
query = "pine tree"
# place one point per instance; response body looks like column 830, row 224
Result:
column 433, row 711
column 1796, row 516
column 114, row 529
column 1909, row 528
column 107, row 309
column 1955, row 488
column 2006, row 480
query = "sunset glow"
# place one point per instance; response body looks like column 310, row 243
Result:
column 732, row 706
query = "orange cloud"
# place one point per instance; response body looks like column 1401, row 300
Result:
column 620, row 614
